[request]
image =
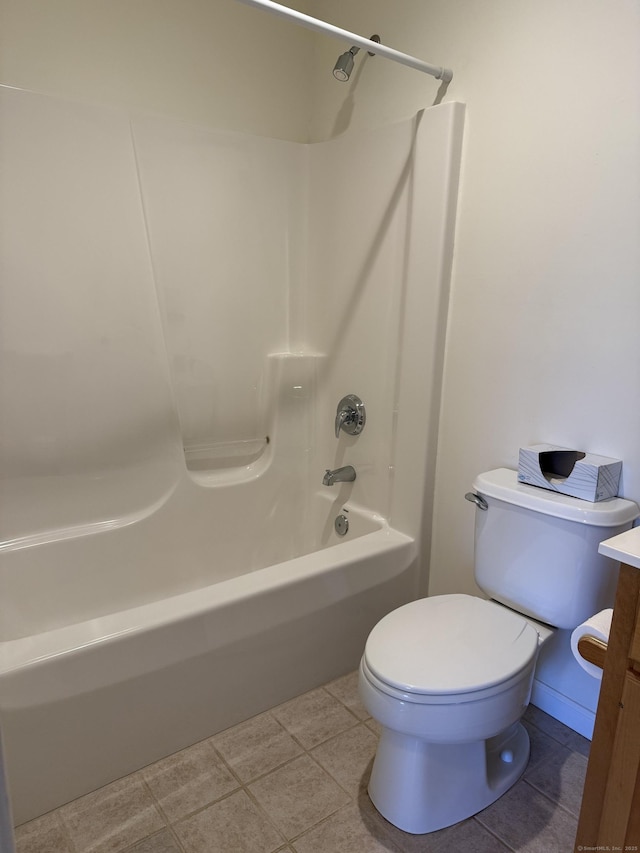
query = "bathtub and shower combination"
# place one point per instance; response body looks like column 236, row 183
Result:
column 169, row 564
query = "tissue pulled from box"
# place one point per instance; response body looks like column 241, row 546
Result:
column 570, row 472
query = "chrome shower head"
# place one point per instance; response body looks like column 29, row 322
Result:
column 344, row 66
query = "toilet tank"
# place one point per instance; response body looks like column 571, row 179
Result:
column 537, row 551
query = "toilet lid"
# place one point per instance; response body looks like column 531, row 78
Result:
column 449, row 644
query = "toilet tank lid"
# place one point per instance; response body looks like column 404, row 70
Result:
column 502, row 484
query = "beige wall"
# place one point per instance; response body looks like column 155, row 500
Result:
column 543, row 341
column 214, row 62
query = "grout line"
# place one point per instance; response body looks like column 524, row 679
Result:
column 132, row 848
column 66, row 831
column 283, row 763
column 312, row 826
column 200, row 809
column 175, row 837
column 225, row 763
column 556, row 805
column 265, row 813
column 168, row 822
column 552, row 736
column 555, row 802
column 493, row 834
column 297, row 837
column 311, row 755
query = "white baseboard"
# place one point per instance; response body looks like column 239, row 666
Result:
column 562, row 708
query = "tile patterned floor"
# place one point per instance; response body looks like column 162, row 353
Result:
column 293, row 780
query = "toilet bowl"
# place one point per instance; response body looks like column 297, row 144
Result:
column 448, row 678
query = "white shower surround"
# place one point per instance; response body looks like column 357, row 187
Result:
column 145, row 606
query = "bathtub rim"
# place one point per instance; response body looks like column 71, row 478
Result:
column 362, row 562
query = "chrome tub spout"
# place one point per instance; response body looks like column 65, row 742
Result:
column 340, row 475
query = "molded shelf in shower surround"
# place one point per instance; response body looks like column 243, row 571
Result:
column 224, row 454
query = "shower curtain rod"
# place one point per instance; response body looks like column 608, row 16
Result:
column 440, row 73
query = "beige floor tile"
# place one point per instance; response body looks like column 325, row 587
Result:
column 467, row 835
column 347, row 831
column 543, row 746
column 529, row 822
column 113, row 818
column 189, row 780
column 298, row 795
column 46, row 834
column 545, row 722
column 346, row 690
column 232, row 825
column 561, row 777
column 557, row 730
column 348, row 757
column 314, row 717
column 577, row 743
column 256, row 747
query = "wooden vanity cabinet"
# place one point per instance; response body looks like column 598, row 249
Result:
column 610, row 813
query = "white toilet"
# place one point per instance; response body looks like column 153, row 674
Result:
column 449, row 677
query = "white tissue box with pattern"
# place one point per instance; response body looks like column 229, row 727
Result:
column 570, row 472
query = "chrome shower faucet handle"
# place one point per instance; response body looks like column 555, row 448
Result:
column 350, row 415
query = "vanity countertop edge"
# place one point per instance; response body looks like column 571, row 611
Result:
column 624, row 547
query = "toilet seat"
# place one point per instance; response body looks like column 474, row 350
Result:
column 448, row 645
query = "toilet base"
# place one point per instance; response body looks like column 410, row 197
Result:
column 420, row 786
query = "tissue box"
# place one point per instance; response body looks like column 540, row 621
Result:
column 570, row 472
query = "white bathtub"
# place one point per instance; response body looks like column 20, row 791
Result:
column 88, row 701
column 143, row 606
